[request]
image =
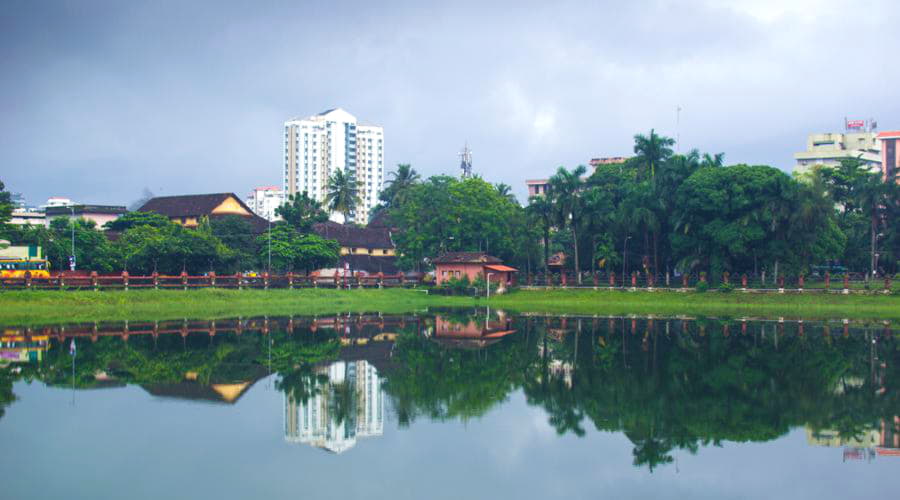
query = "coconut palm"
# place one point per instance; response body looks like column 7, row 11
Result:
column 506, row 191
column 651, row 150
column 342, row 193
column 566, row 190
column 540, row 210
column 395, row 191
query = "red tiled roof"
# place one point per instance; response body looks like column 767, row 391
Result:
column 889, row 134
column 501, row 268
column 467, row 258
column 355, row 237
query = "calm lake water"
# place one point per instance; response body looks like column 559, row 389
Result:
column 451, row 404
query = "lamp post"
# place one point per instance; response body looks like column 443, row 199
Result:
column 624, row 258
column 72, row 260
column 269, row 267
column 488, row 286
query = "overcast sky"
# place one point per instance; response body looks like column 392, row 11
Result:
column 99, row 100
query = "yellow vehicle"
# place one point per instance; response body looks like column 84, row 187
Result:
column 16, row 268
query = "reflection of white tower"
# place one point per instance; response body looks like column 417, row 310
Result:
column 353, row 391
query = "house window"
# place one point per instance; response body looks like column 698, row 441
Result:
column 457, row 274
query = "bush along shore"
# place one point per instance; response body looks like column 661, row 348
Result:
column 44, row 307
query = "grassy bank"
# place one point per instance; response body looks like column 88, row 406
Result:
column 43, row 307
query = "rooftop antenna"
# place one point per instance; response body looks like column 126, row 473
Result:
column 678, row 128
column 465, row 163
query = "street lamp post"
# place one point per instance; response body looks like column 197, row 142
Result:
column 72, row 260
column 488, row 286
column 624, row 258
column 269, row 267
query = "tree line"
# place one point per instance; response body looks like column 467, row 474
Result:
column 659, row 212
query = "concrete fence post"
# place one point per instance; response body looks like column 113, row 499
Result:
column 266, row 280
column 94, row 281
column 155, row 280
column 238, row 280
column 887, row 284
column 212, row 279
column 290, row 277
column 846, row 284
column 563, row 278
column 744, row 281
column 780, row 283
column 685, row 281
column 800, row 282
column 612, row 279
column 184, row 279
column 125, row 280
column 827, row 280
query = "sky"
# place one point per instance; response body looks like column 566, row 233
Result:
column 102, row 100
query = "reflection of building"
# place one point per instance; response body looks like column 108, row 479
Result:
column 883, row 440
column 349, row 406
column 470, row 333
column 16, row 347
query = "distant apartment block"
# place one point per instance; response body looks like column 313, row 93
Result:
column 318, row 146
column 829, row 149
column 538, row 187
column 264, row 200
column 890, row 152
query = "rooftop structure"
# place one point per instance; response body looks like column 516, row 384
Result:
column 99, row 214
column 830, row 148
column 187, row 210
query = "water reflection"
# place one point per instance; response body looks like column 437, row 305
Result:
column 667, row 384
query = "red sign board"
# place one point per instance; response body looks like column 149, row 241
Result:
column 856, row 123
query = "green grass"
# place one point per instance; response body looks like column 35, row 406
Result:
column 46, row 307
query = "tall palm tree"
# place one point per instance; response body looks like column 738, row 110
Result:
column 716, row 160
column 342, row 193
column 540, row 210
column 505, row 190
column 651, row 150
column 395, row 192
column 566, row 190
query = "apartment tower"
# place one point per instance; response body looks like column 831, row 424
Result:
column 318, row 146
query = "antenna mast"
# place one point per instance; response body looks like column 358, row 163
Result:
column 465, row 163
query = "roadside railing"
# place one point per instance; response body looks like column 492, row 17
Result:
column 125, row 281
column 845, row 283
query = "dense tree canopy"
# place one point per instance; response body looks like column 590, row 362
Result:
column 302, row 212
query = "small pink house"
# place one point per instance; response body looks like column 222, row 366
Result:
column 471, row 265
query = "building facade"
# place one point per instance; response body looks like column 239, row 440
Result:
column 539, row 187
column 472, row 265
column 318, row 146
column 99, row 214
column 189, row 210
column 830, row 149
column 890, row 153
column 264, row 200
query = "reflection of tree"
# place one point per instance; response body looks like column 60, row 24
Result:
column 430, row 380
column 6, row 391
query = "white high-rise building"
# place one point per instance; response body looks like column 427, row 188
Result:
column 264, row 200
column 316, row 147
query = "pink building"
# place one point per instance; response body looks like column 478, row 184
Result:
column 472, row 265
column 890, row 152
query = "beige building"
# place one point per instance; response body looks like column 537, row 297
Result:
column 830, row 149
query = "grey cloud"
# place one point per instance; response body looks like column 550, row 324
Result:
column 101, row 99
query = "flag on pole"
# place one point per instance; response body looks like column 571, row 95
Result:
column 72, row 348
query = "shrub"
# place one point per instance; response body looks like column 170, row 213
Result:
column 701, row 287
column 726, row 287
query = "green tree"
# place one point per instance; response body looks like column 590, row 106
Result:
column 236, row 233
column 566, row 192
column 134, row 219
column 540, row 213
column 396, row 189
column 652, row 150
column 6, row 206
column 342, row 193
column 171, row 249
column 292, row 250
column 302, row 212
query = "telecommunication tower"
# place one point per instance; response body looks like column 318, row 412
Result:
column 465, row 163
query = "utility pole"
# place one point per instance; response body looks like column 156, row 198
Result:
column 269, row 268
column 72, row 260
column 624, row 259
column 678, row 128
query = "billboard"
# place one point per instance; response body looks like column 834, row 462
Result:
column 855, row 123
